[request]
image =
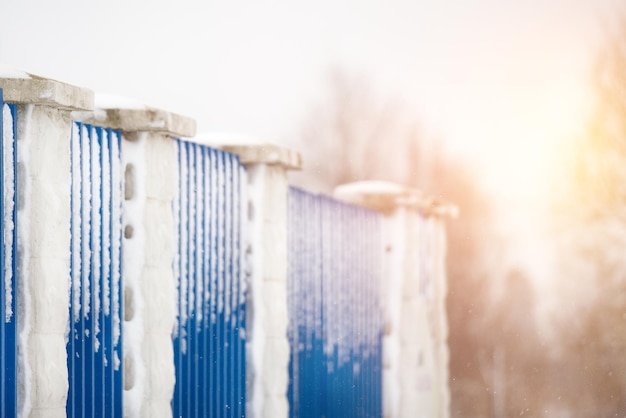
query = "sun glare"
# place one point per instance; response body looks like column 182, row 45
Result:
column 524, row 146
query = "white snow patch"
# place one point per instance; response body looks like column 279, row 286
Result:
column 372, row 187
column 9, row 72
column 133, row 152
column 46, row 94
column 157, row 124
column 96, row 225
column 256, row 344
column 106, row 221
column 8, row 203
column 217, row 139
column 75, row 219
column 85, row 216
column 25, row 379
column 116, row 240
column 109, row 101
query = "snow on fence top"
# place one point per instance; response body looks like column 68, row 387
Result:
column 252, row 150
column 131, row 115
column 22, row 87
column 387, row 196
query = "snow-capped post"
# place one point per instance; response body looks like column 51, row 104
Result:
column 150, row 179
column 415, row 332
column 43, row 231
column 267, row 346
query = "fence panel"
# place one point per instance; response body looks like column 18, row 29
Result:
column 335, row 327
column 8, row 259
column 95, row 342
column 209, row 336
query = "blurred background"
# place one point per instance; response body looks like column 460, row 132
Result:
column 514, row 110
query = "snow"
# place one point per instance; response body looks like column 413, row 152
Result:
column 221, row 231
column 95, row 230
column 200, row 196
column 133, row 153
column 256, row 343
column 96, row 225
column 213, row 227
column 218, row 139
column 8, row 203
column 183, row 285
column 85, row 152
column 25, row 383
column 371, row 187
column 8, row 72
column 116, row 260
column 228, row 238
column 76, row 237
column 106, row 221
column 109, row 101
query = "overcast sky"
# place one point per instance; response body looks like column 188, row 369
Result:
column 500, row 80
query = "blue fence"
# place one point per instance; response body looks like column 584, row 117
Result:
column 8, row 260
column 335, row 328
column 94, row 349
column 209, row 337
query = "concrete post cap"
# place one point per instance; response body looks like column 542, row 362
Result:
column 386, row 196
column 252, row 150
column 25, row 88
column 130, row 115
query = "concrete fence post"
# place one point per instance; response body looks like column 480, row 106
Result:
column 43, row 199
column 267, row 346
column 415, row 351
column 150, row 180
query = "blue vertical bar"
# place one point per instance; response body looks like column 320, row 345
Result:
column 117, row 284
column 176, row 398
column 5, row 370
column 214, row 370
column 191, row 329
column 209, row 352
column 94, row 343
column 8, row 264
column 221, row 280
column 206, row 269
column 106, row 318
column 187, row 281
column 97, row 294
column 339, row 372
column 200, row 279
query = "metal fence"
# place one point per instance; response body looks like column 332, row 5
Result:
column 8, row 260
column 94, row 348
column 209, row 336
column 335, row 326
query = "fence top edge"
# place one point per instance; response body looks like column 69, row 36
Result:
column 252, row 150
column 147, row 119
column 387, row 197
column 25, row 88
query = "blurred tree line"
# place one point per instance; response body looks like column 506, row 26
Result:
column 590, row 230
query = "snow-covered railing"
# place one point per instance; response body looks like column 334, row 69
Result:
column 335, row 318
column 8, row 260
column 94, row 348
column 153, row 276
column 209, row 336
column 41, row 112
column 150, row 167
column 415, row 370
column 267, row 346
